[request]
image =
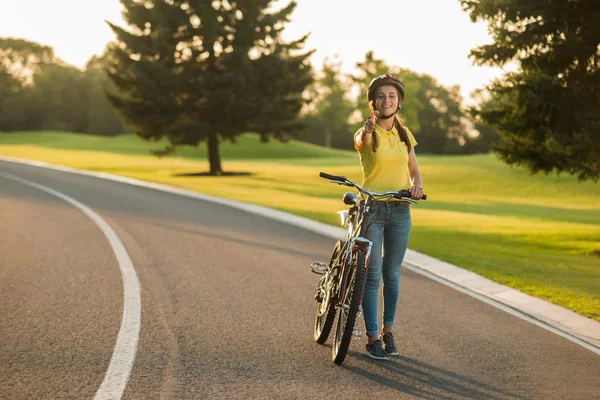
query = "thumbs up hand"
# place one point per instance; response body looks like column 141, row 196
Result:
column 370, row 124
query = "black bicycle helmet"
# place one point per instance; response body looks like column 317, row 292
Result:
column 385, row 79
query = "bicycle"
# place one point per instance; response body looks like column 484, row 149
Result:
column 340, row 289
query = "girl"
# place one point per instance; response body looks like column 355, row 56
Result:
column 388, row 161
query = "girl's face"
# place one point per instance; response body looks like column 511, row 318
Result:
column 387, row 100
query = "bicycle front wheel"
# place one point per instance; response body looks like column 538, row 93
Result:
column 346, row 314
column 325, row 308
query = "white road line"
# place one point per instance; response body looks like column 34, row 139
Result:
column 123, row 355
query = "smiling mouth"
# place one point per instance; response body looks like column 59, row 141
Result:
column 386, row 111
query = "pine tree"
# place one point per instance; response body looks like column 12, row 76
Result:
column 548, row 111
column 198, row 70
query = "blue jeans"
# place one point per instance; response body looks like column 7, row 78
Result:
column 389, row 226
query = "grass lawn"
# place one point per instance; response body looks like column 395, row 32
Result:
column 539, row 234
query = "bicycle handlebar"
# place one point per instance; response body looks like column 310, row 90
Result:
column 332, row 177
column 345, row 181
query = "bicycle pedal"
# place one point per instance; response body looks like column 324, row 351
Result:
column 319, row 268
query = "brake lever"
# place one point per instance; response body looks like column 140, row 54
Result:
column 408, row 199
column 341, row 183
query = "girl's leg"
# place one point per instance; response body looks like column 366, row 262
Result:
column 374, row 234
column 396, row 235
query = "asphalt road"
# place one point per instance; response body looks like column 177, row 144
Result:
column 227, row 310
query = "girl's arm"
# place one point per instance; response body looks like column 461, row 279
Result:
column 362, row 139
column 415, row 176
column 367, row 131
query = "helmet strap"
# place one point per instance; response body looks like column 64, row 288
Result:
column 381, row 116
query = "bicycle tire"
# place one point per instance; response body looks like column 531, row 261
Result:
column 346, row 321
column 326, row 316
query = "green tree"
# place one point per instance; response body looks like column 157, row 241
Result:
column 12, row 111
column 15, row 112
column 102, row 117
column 38, row 90
column 60, row 94
column 441, row 119
column 9, row 84
column 548, row 111
column 197, row 70
column 327, row 119
column 20, row 61
column 487, row 136
column 21, row 58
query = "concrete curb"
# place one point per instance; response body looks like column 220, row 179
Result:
column 581, row 330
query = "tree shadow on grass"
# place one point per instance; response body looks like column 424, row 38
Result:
column 233, row 173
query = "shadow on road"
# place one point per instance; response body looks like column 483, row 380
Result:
column 237, row 240
column 425, row 381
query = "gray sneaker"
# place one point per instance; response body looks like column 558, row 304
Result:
column 390, row 346
column 376, row 351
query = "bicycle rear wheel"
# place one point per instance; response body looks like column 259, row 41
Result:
column 346, row 316
column 325, row 308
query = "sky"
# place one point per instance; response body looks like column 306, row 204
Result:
column 426, row 36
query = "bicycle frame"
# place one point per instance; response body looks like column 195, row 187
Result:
column 354, row 243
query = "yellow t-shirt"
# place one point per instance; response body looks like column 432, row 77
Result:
column 387, row 168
